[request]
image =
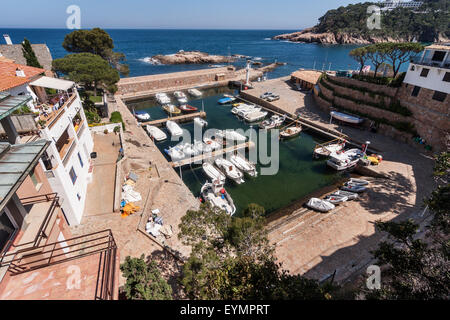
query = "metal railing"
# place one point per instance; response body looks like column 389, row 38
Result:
column 101, row 243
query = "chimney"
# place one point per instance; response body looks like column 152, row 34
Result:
column 20, row 73
column 7, row 39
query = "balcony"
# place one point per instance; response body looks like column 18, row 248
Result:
column 431, row 63
column 94, row 256
column 50, row 112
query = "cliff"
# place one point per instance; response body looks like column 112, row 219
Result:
column 191, row 57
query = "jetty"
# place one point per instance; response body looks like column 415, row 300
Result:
column 179, row 119
column 214, row 154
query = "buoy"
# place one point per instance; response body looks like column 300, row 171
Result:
column 222, row 191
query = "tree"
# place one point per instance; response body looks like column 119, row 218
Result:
column 144, row 280
column 232, row 259
column 361, row 56
column 29, row 55
column 399, row 53
column 88, row 69
column 96, row 41
column 376, row 53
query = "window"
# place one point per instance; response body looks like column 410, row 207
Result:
column 81, row 160
column 438, row 56
column 73, row 175
column 446, row 77
column 8, row 228
column 424, row 72
column 439, row 96
column 415, row 91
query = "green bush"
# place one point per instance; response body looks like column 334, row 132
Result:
column 116, row 117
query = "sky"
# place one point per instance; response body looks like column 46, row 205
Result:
column 168, row 14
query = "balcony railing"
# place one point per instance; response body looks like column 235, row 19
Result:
column 101, row 243
column 53, row 116
column 431, row 63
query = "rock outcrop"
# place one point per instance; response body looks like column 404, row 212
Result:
column 191, row 57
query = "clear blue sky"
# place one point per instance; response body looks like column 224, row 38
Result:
column 183, row 14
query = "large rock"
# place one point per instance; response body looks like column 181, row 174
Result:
column 191, row 57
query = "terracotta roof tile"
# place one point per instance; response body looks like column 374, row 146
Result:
column 9, row 79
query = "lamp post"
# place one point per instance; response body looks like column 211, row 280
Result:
column 367, row 147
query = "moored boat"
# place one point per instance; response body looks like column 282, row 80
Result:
column 230, row 170
column 162, row 98
column 195, row 93
column 274, row 122
column 171, row 109
column 200, row 122
column 142, row 115
column 156, row 133
column 175, row 153
column 217, row 196
column 185, row 108
column 344, row 160
column 320, row 205
column 216, row 176
column 255, row 116
column 346, row 117
column 174, row 128
column 226, row 100
column 290, row 132
column 244, row 165
column 327, row 150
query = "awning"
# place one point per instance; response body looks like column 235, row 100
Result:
column 53, row 83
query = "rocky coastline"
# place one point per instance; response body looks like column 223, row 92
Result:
column 191, row 57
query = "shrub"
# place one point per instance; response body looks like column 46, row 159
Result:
column 116, row 117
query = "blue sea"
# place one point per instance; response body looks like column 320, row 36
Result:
column 140, row 44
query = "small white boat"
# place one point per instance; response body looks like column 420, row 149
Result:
column 336, row 199
column 238, row 107
column 156, row 133
column 174, row 128
column 212, row 143
column 217, row 196
column 359, row 182
column 274, row 122
column 200, row 122
column 232, row 135
column 201, row 148
column 214, row 174
column 346, row 117
column 249, row 109
column 325, row 151
column 181, row 97
column 290, row 132
column 175, row 153
column 344, row 160
column 230, row 170
column 348, row 194
column 353, row 188
column 162, row 98
column 195, row 93
column 142, row 116
column 244, row 165
column 320, row 205
column 255, row 116
column 189, row 150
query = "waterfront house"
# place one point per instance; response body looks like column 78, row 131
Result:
column 39, row 257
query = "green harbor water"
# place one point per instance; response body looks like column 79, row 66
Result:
column 298, row 174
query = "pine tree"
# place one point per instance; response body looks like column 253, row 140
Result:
column 29, row 54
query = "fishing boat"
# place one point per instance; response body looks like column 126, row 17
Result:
column 226, row 100
column 142, row 115
column 359, row 182
column 174, row 128
column 290, row 132
column 230, row 170
column 185, row 108
column 345, row 117
column 156, row 133
column 327, row 150
column 217, row 196
column 353, row 188
column 162, row 98
column 344, row 160
column 200, row 122
column 336, row 199
column 348, row 194
column 175, row 153
column 195, row 93
column 320, row 205
column 171, row 109
column 244, row 165
column 255, row 116
column 239, row 106
column 216, row 176
column 274, row 122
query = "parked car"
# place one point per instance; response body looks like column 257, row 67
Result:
column 266, row 95
column 273, row 98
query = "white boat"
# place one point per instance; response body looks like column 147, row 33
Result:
column 202, row 148
column 325, row 151
column 249, row 109
column 274, row 122
column 200, row 122
column 214, row 174
column 212, row 143
column 290, row 132
column 353, row 188
column 156, row 133
column 344, row 160
column 359, row 182
column 142, row 116
column 346, row 117
column 181, row 97
column 162, row 98
column 244, row 165
column 232, row 135
column 336, row 199
column 243, row 107
column 230, row 170
column 174, row 128
column 175, row 153
column 348, row 194
column 217, row 196
column 320, row 205
column 189, row 150
column 195, row 93
column 255, row 116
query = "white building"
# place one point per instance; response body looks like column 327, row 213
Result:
column 389, row 5
column 63, row 122
column 431, row 71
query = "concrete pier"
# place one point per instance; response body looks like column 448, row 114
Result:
column 180, row 119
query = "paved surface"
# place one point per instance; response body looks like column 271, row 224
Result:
column 317, row 244
column 100, row 192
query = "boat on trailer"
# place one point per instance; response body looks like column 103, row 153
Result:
column 244, row 165
column 218, row 197
column 230, row 170
column 156, row 133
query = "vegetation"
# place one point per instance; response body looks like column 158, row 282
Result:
column 144, row 280
column 96, row 41
column 231, row 259
column 418, row 268
column 29, row 55
column 426, row 25
column 23, row 110
column 116, row 117
column 89, row 69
